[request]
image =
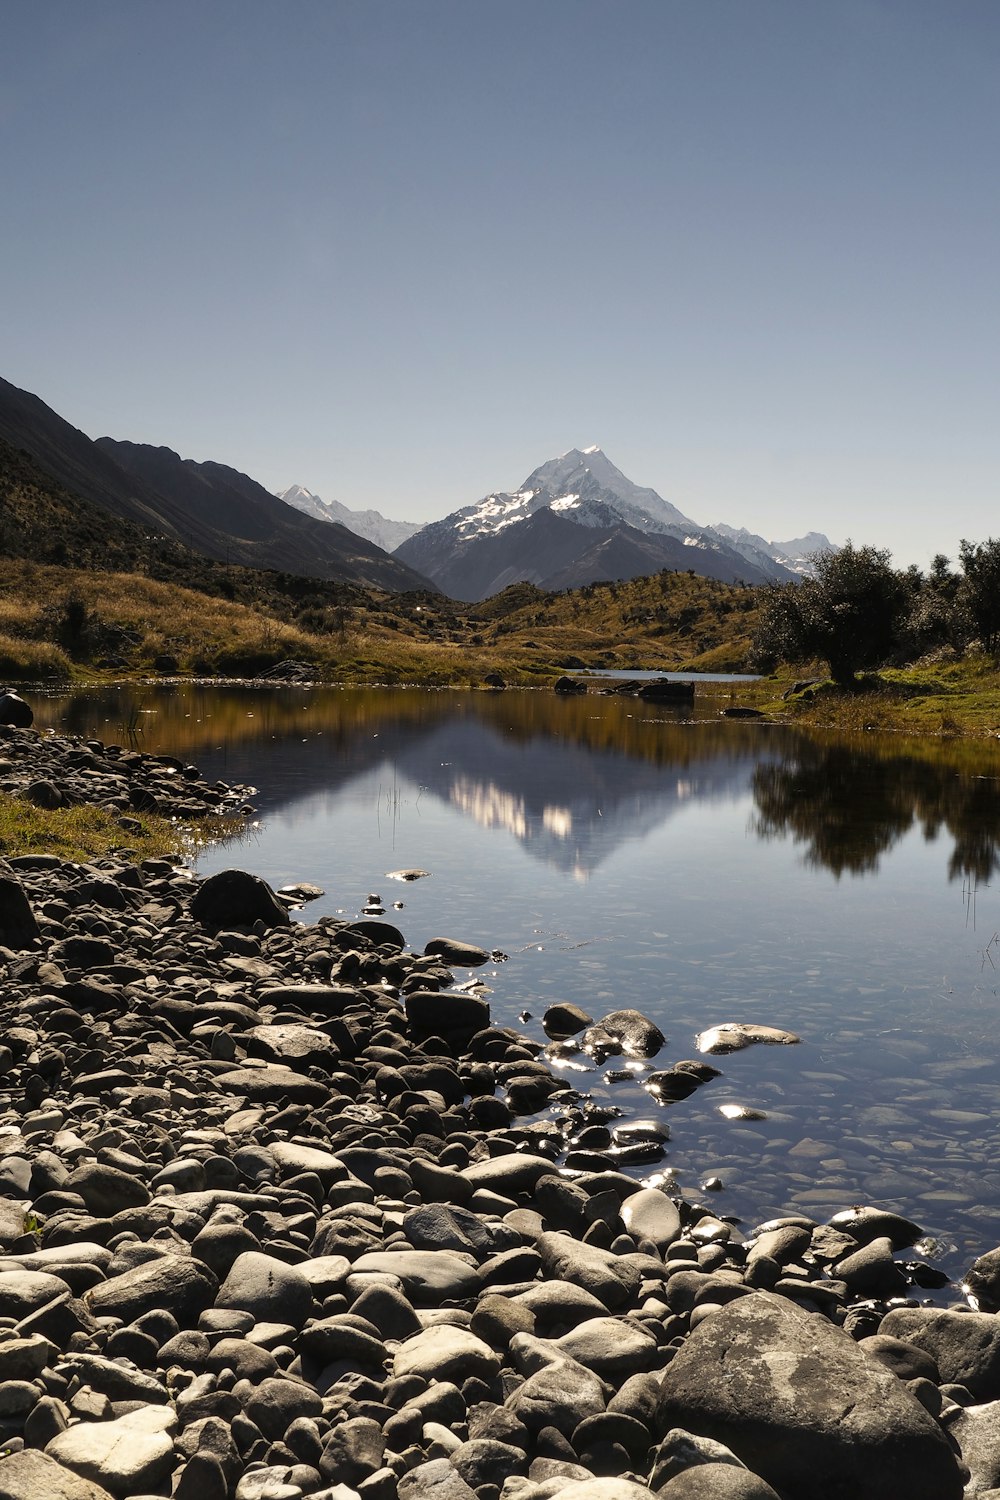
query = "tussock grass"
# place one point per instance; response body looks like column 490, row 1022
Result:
column 117, row 624
column 86, row 833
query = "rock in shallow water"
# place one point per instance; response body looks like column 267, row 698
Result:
column 732, row 1036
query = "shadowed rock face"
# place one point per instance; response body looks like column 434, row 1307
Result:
column 798, row 1401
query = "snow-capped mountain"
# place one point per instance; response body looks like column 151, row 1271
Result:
column 367, row 523
column 795, row 555
column 473, row 552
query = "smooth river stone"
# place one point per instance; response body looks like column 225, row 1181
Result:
column 271, row 1289
column 445, row 1353
column 130, row 1455
column 732, row 1036
column 21, row 1292
column 272, row 1084
column 650, row 1215
column 612, row 1347
column 436, row 1274
column 177, row 1284
column 30, row 1475
column 516, row 1172
column 716, row 1482
column 609, row 1278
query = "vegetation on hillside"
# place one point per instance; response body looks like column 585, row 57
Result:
column 60, row 623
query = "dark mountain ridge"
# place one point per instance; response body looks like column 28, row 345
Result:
column 209, row 508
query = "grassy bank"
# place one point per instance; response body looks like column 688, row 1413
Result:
column 87, row 833
column 926, row 701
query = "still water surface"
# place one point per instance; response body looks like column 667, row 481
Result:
column 701, row 871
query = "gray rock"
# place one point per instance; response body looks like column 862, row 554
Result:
column 732, row 1036
column 613, row 1348
column 718, row 1482
column 871, row 1270
column 14, row 710
column 639, row 1036
column 18, row 927
column 564, row 1019
column 292, row 1158
column 900, row 1356
column 508, row 1175
column 436, row 1480
column 461, row 955
column 270, row 1289
column 30, row 1475
column 23, row 1292
column 177, row 1284
column 233, row 898
column 559, row 1395
column 448, row 1014
column 555, row 1303
column 650, row 1215
column 440, row 1226
column 600, row 1489
column 271, row 1083
column 24, row 1358
column 795, row 1399
column 276, row 1402
column 680, row 1451
column 353, row 1450
column 130, row 1455
column 428, row 1276
column 609, row 1278
column 445, row 1353
column 867, row 1224
column 965, row 1346
column 976, row 1430
column 983, row 1281
column 106, row 1190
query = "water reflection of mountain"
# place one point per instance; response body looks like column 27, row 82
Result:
column 568, row 805
column 848, row 807
column 571, row 778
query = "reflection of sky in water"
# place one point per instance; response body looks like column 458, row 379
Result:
column 642, row 878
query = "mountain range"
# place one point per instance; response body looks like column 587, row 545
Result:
column 576, row 520
column 367, row 523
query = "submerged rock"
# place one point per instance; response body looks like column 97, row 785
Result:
column 732, row 1036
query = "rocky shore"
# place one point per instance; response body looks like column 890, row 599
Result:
column 283, row 1214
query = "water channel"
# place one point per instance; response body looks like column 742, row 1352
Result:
column 703, row 870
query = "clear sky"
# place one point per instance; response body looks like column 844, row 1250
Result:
column 403, row 251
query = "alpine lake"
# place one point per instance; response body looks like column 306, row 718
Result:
column 703, row 870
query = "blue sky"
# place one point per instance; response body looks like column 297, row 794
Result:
column 403, row 251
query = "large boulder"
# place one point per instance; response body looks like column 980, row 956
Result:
column 965, row 1346
column 795, row 1398
column 233, row 898
column 18, row 927
column 14, row 710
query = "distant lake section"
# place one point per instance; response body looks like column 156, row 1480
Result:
column 704, row 872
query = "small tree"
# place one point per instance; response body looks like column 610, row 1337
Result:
column 848, row 613
column 979, row 591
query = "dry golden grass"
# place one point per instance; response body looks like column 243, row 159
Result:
column 85, row 833
column 129, row 624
